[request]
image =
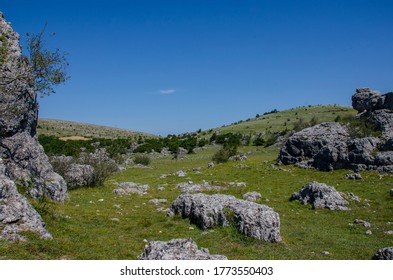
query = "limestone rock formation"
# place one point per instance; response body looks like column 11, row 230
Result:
column 384, row 254
column 16, row 213
column 252, row 219
column 22, row 159
column 22, row 155
column 321, row 196
column 328, row 146
column 324, row 142
column 177, row 249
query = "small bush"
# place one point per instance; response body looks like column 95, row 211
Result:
column 221, row 156
column 144, row 160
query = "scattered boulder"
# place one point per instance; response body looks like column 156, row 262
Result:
column 240, row 157
column 384, row 254
column 321, row 196
column 128, row 188
column 391, row 192
column 364, row 223
column 177, row 249
column 252, row 219
column 190, row 187
column 210, row 165
column 252, row 196
column 79, row 175
column 157, row 201
column 353, row 176
column 181, row 173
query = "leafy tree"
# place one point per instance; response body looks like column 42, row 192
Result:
column 48, row 66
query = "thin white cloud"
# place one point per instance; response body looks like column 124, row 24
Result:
column 167, row 91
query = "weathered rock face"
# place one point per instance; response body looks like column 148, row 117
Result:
column 177, row 249
column 329, row 146
column 252, row 219
column 16, row 214
column 324, row 142
column 321, row 196
column 22, row 155
column 366, row 99
column 384, row 254
column 79, row 175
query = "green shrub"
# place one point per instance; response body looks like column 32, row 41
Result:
column 221, row 156
column 144, row 160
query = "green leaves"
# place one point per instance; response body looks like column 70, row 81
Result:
column 49, row 67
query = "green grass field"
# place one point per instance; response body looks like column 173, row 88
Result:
column 286, row 119
column 82, row 227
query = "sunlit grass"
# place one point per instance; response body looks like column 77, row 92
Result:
column 83, row 227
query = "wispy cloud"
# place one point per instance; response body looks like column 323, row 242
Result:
column 167, row 91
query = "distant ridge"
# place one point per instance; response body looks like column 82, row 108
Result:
column 68, row 129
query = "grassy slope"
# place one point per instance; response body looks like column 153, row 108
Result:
column 61, row 128
column 286, row 119
column 90, row 233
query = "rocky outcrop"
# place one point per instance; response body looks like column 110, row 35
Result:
column 207, row 211
column 384, row 254
column 16, row 213
column 329, row 146
column 177, row 249
column 22, row 159
column 321, row 196
column 22, row 155
column 322, row 146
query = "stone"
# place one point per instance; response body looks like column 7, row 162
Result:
column 384, row 254
column 157, row 201
column 391, row 192
column 353, row 176
column 389, row 232
column 16, row 213
column 19, row 148
column 189, row 187
column 252, row 196
column 352, row 197
column 324, row 144
column 177, row 249
column 181, row 173
column 251, row 219
column 360, row 150
column 79, row 175
column 321, row 196
column 384, row 158
column 364, row 223
column 367, row 99
column 210, row 165
column 128, row 188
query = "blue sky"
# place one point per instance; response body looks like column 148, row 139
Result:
column 176, row 66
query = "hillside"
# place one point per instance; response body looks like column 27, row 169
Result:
column 281, row 120
column 68, row 130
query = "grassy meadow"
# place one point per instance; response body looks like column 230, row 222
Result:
column 96, row 224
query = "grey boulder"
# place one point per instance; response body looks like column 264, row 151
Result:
column 177, row 249
column 251, row 219
column 321, row 196
column 384, row 254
